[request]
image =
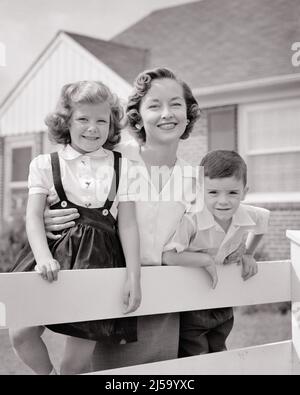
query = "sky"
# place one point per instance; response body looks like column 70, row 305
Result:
column 27, row 26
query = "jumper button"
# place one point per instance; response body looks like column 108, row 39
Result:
column 64, row 204
column 105, row 212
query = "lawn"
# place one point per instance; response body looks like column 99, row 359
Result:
column 253, row 326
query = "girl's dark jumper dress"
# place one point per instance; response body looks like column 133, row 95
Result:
column 92, row 243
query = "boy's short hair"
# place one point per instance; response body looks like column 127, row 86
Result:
column 224, row 163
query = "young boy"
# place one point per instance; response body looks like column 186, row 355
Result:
column 224, row 232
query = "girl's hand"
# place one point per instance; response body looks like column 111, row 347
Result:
column 132, row 295
column 48, row 269
column 57, row 220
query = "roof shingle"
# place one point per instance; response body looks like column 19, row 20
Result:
column 216, row 42
column 125, row 60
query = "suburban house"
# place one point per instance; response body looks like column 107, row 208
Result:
column 237, row 56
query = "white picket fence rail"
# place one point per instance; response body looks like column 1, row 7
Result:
column 27, row 300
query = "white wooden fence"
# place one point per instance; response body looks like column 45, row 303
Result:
column 27, row 300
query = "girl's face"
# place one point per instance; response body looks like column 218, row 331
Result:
column 89, row 126
column 163, row 111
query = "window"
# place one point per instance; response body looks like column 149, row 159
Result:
column 269, row 140
column 21, row 158
column 18, row 153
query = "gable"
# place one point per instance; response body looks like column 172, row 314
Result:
column 125, row 60
column 36, row 95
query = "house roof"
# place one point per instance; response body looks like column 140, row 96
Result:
column 217, row 42
column 127, row 61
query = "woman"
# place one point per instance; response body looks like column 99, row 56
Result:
column 161, row 110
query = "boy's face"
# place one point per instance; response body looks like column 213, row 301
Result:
column 223, row 197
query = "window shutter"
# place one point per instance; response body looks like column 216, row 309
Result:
column 221, row 127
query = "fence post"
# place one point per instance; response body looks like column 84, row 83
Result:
column 294, row 237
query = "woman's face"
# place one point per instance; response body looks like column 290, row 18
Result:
column 163, row 112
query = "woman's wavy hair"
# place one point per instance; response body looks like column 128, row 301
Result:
column 142, row 85
column 84, row 92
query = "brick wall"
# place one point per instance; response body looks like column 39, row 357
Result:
column 275, row 245
column 195, row 147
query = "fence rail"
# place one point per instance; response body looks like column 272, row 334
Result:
column 27, row 300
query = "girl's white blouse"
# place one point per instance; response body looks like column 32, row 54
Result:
column 86, row 178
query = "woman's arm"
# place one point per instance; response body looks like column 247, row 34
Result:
column 46, row 265
column 129, row 236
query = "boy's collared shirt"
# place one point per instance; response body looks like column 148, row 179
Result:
column 200, row 232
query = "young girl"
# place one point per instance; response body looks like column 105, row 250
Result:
column 83, row 175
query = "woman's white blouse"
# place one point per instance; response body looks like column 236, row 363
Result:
column 159, row 215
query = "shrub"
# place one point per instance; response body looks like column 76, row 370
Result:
column 12, row 239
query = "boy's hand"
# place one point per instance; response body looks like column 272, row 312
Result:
column 212, row 271
column 48, row 269
column 249, row 267
column 132, row 295
column 236, row 256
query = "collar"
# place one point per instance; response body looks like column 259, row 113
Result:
column 69, row 153
column 131, row 150
column 241, row 218
column 205, row 220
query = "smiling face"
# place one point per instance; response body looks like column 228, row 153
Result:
column 163, row 111
column 223, row 197
column 89, row 126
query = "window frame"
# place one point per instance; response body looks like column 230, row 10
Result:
column 243, row 113
column 11, row 143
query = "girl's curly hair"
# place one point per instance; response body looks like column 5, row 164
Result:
column 142, row 85
column 84, row 92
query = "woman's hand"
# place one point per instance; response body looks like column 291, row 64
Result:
column 57, row 220
column 132, row 295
